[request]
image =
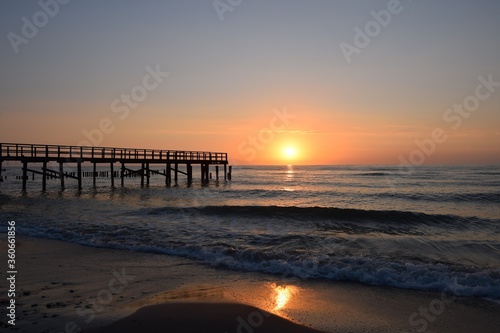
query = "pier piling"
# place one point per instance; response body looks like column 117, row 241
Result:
column 25, row 174
column 79, row 175
column 44, row 176
column 94, row 170
column 112, row 172
column 122, row 174
column 61, row 174
column 176, row 172
column 168, row 175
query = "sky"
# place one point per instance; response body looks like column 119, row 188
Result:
column 267, row 81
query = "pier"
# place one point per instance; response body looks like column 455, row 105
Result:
column 133, row 162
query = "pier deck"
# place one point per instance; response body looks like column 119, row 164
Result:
column 172, row 159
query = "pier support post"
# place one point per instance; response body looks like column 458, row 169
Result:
column 148, row 174
column 142, row 175
column 230, row 172
column 225, row 171
column 44, row 176
column 112, row 172
column 168, row 175
column 61, row 174
column 176, row 173
column 206, row 170
column 94, row 173
column 216, row 172
column 79, row 175
column 122, row 174
column 25, row 175
column 1, row 179
column 189, row 172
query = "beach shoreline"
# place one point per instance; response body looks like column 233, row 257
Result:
column 65, row 287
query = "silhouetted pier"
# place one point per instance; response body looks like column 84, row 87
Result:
column 143, row 158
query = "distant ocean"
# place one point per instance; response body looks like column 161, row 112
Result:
column 436, row 229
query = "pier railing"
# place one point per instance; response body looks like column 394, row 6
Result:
column 31, row 151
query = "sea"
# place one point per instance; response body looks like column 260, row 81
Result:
column 431, row 228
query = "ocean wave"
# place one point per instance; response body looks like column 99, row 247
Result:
column 480, row 197
column 488, row 173
column 372, row 174
column 459, row 281
column 324, row 213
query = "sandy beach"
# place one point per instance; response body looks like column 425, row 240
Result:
column 64, row 287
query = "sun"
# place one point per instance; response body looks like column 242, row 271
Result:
column 290, row 152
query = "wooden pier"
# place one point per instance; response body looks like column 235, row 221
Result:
column 142, row 158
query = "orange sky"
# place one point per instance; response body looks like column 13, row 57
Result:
column 202, row 83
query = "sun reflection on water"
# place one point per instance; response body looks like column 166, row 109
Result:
column 282, row 295
column 289, row 173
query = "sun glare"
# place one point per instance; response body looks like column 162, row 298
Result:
column 290, row 152
column 282, row 295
